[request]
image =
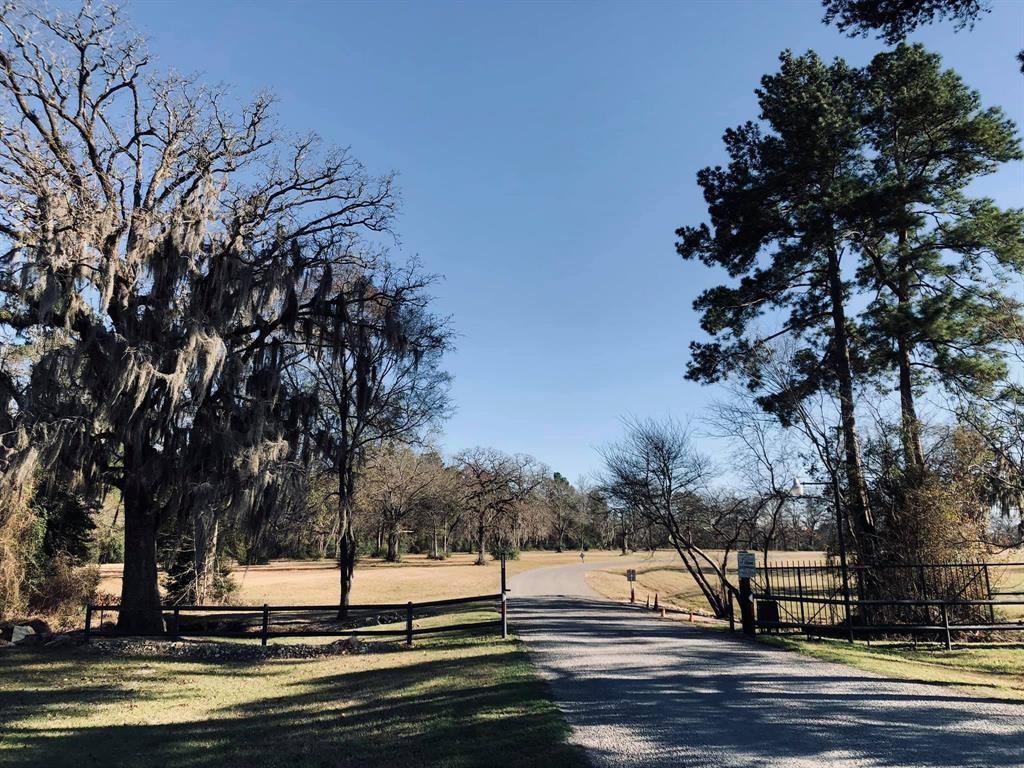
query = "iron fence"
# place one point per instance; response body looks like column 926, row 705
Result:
column 888, row 599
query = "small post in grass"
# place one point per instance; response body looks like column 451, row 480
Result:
column 88, row 621
column 266, row 625
column 408, row 622
column 504, row 616
column 177, row 616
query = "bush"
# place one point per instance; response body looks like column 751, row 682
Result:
column 21, row 538
column 110, row 548
column 62, row 590
column 225, row 588
column 503, row 549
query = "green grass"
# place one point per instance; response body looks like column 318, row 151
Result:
column 450, row 703
column 994, row 671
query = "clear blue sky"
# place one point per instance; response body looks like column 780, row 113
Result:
column 547, row 153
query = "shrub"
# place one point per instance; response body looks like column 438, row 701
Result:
column 62, row 590
column 21, row 537
column 503, row 549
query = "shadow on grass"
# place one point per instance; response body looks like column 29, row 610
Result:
column 482, row 708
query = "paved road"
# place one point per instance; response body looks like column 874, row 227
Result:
column 639, row 691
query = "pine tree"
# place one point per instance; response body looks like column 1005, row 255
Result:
column 778, row 227
column 935, row 259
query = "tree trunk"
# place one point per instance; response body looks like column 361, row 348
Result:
column 346, row 544
column 392, row 535
column 140, row 593
column 912, row 448
column 205, row 528
column 858, row 505
column 346, row 567
column 481, row 543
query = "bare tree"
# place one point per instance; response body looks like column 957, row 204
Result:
column 441, row 510
column 763, row 458
column 394, row 484
column 371, row 357
column 656, row 471
column 494, row 485
column 561, row 503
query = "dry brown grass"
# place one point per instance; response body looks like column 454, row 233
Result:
column 415, row 578
column 1010, row 579
column 665, row 576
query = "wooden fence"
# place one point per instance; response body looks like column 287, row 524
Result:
column 266, row 622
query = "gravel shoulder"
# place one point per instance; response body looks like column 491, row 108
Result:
column 638, row 691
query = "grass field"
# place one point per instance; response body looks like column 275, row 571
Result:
column 415, row 578
column 993, row 671
column 446, row 703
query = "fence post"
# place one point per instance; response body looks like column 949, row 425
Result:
column 266, row 624
column 408, row 623
column 988, row 596
column 88, row 621
column 945, row 626
column 746, row 607
column 924, row 594
column 800, row 591
column 174, row 634
column 504, row 616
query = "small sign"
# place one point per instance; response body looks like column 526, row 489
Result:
column 631, row 575
column 747, row 562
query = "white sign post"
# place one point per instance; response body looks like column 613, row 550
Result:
column 747, row 566
column 747, row 562
column 631, row 577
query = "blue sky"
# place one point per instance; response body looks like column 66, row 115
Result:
column 547, row 152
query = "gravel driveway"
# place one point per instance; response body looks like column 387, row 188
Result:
column 639, row 691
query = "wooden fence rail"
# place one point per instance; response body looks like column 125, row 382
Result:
column 303, row 620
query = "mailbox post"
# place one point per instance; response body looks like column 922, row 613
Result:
column 747, row 562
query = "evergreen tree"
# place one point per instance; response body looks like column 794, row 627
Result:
column 935, row 259
column 779, row 218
